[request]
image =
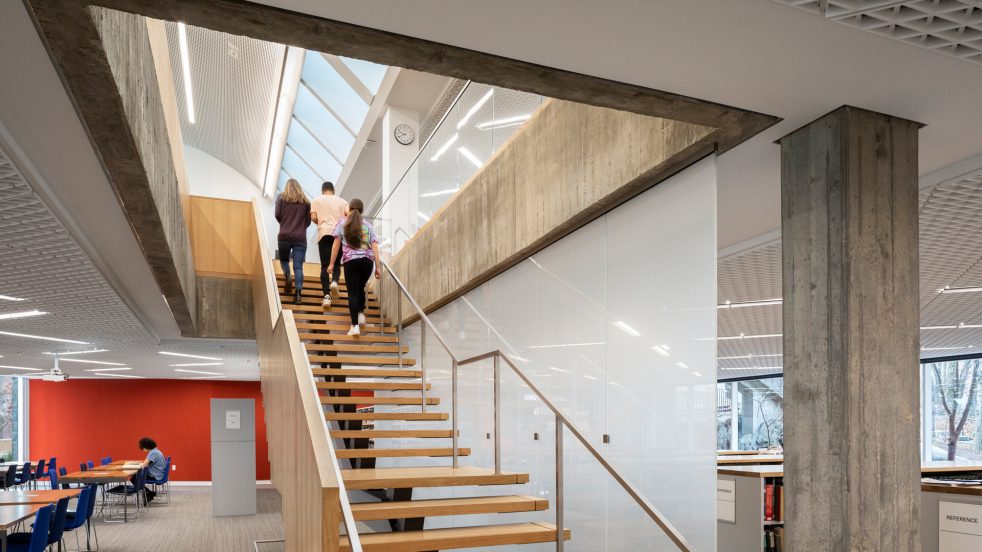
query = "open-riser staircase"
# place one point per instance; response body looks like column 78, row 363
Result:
column 376, row 361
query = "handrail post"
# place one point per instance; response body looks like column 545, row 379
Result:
column 497, row 415
column 399, row 336
column 422, row 360
column 453, row 408
column 560, row 521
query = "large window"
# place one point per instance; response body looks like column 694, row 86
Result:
column 12, row 425
column 750, row 414
column 951, row 409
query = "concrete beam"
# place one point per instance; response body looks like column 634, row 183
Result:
column 849, row 218
column 568, row 165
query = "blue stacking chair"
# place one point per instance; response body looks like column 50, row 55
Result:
column 162, row 485
column 62, row 472
column 53, row 478
column 10, row 478
column 56, row 529
column 39, row 474
column 25, row 476
column 78, row 518
column 83, row 466
column 104, row 461
column 37, row 540
column 135, row 490
column 91, row 464
column 109, row 459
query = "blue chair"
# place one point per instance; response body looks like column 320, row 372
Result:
column 135, row 490
column 83, row 466
column 25, row 476
column 78, row 518
column 90, row 528
column 56, row 529
column 40, row 474
column 10, row 479
column 162, row 485
column 91, row 464
column 109, row 459
column 104, row 461
column 62, row 472
column 37, row 540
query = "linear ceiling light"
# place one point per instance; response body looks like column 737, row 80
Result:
column 741, row 304
column 205, row 377
column 660, row 349
column 945, row 348
column 443, row 149
column 182, row 36
column 120, row 369
column 197, row 372
column 9, row 298
column 747, row 356
column 756, row 368
column 440, row 193
column 470, row 157
column 506, row 122
column 23, row 368
column 470, row 112
column 90, row 361
column 744, row 336
column 78, row 352
column 682, row 365
column 562, row 345
column 188, row 356
column 31, row 336
column 111, row 374
column 627, row 329
column 198, row 364
column 22, row 314
column 960, row 290
column 422, row 216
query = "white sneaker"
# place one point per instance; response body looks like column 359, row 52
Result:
column 326, row 303
column 355, row 330
column 361, row 318
column 334, row 290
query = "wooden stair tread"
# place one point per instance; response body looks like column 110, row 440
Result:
column 400, row 416
column 327, row 399
column 456, row 537
column 391, row 433
column 400, row 453
column 373, row 385
column 365, row 360
column 448, row 507
column 431, row 476
column 365, row 373
column 318, row 308
column 364, row 338
column 354, row 348
column 342, row 327
column 307, row 300
column 344, row 318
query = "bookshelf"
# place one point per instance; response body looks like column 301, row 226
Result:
column 749, row 527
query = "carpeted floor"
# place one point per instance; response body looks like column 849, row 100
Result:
column 186, row 525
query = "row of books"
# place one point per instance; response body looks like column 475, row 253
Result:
column 774, row 539
column 774, row 502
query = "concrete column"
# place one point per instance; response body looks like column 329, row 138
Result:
column 849, row 222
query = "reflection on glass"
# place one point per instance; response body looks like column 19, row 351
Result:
column 758, row 414
column 954, row 395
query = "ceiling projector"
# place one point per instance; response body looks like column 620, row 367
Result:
column 55, row 375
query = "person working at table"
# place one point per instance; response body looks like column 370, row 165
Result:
column 155, row 462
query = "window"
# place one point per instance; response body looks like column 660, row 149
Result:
column 12, row 424
column 750, row 414
column 951, row 393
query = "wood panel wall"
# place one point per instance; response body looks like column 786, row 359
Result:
column 568, row 165
column 303, row 464
column 223, row 237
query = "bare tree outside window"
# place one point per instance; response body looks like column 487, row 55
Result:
column 956, row 386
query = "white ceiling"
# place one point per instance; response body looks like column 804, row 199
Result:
column 235, row 82
column 754, row 54
column 46, row 268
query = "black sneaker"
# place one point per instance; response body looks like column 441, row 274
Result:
column 296, row 297
column 287, row 285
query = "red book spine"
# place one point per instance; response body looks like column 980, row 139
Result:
column 769, row 502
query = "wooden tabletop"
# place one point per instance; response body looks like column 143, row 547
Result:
column 37, row 497
column 742, row 452
column 975, row 490
column 97, row 476
column 749, row 459
column 950, row 466
column 12, row 515
column 752, row 471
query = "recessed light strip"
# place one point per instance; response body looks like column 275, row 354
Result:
column 31, row 336
column 9, row 298
column 120, row 369
column 189, row 356
column 198, row 364
column 470, row 157
column 506, row 122
column 627, row 329
column 182, row 36
column 78, row 352
column 960, row 290
column 197, row 372
column 22, row 314
column 23, row 368
column 90, row 361
column 111, row 374
column 443, row 149
column 474, row 109
column 741, row 304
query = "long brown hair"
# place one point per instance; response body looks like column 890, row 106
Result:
column 352, row 226
column 294, row 193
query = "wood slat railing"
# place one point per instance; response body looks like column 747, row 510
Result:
column 301, row 454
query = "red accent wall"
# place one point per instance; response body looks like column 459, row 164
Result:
column 80, row 420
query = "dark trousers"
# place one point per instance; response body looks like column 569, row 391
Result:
column 298, row 252
column 356, row 275
column 324, row 246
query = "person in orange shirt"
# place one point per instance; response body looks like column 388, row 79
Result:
column 325, row 212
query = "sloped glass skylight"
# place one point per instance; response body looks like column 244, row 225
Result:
column 331, row 106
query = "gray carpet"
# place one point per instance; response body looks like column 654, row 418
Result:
column 186, row 525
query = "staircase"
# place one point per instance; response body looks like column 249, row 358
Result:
column 348, row 371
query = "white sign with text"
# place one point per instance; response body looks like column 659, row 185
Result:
column 233, row 419
column 959, row 527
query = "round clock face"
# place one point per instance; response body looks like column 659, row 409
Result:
column 405, row 135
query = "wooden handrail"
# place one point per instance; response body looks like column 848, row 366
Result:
column 302, row 458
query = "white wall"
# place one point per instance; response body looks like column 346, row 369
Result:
column 649, row 264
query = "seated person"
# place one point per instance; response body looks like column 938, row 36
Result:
column 155, row 462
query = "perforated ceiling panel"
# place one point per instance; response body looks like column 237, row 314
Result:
column 234, row 81
column 950, row 256
column 44, row 266
column 952, row 27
